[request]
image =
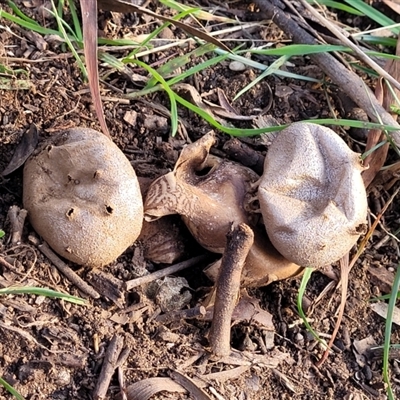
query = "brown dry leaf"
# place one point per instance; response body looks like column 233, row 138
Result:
column 146, row 388
column 375, row 161
column 195, row 391
column 24, row 149
column 361, row 349
column 248, row 309
column 225, row 109
column 191, row 94
column 381, row 308
column 89, row 23
column 224, row 113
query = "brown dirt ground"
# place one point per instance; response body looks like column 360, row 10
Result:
column 54, row 350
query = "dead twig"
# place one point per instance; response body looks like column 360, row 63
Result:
column 347, row 80
column 17, row 218
column 344, row 275
column 178, row 315
column 67, row 271
column 244, row 154
column 9, row 266
column 129, row 285
column 112, row 360
column 359, row 53
column 239, row 242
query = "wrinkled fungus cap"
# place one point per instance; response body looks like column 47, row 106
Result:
column 83, row 197
column 312, row 196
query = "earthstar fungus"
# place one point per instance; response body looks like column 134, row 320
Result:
column 83, row 197
column 312, row 196
column 211, row 195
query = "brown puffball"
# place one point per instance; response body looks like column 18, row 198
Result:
column 83, row 197
column 312, row 196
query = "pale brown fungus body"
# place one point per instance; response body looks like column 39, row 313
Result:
column 83, row 197
column 211, row 195
column 312, row 196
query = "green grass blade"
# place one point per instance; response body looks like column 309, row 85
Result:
column 262, row 67
column 303, row 285
column 75, row 20
column 197, row 68
column 64, row 24
column 28, row 25
column 377, row 40
column 388, row 332
column 179, row 62
column 10, row 389
column 303, row 49
column 20, row 14
column 42, row 292
column 112, row 61
column 118, row 42
column 60, row 7
column 171, row 95
column 60, row 24
column 299, row 49
column 153, row 34
column 372, row 13
column 199, row 13
column 338, row 6
column 180, row 77
column 272, row 69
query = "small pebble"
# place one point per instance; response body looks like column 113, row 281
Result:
column 237, row 66
column 299, row 338
column 63, row 377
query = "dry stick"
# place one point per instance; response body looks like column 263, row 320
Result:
column 360, row 54
column 344, row 278
column 110, row 363
column 178, row 315
column 238, row 245
column 9, row 266
column 349, row 82
column 67, row 271
column 17, row 220
column 163, row 272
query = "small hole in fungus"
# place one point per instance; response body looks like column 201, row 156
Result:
column 109, row 209
column 70, row 212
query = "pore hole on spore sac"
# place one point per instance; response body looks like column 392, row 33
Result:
column 109, row 209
